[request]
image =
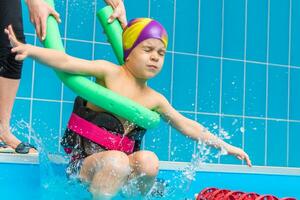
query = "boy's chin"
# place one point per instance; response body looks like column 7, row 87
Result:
column 150, row 75
column 146, row 75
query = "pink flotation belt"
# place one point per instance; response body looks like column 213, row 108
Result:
column 111, row 141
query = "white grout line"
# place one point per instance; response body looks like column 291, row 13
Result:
column 94, row 36
column 62, row 84
column 149, row 16
column 197, row 68
column 60, row 116
column 239, row 116
column 31, row 93
column 221, row 168
column 40, row 99
column 172, row 77
column 86, row 41
column 149, row 8
column 267, row 84
column 30, row 34
column 221, row 69
column 185, row 53
column 66, row 24
column 289, row 84
column 94, row 30
column 182, row 111
column 185, row 111
column 245, row 72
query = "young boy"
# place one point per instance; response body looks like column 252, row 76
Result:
column 105, row 170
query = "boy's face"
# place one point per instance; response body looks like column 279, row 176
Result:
column 147, row 58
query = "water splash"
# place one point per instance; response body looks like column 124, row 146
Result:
column 182, row 181
column 54, row 183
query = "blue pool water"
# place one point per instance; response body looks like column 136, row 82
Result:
column 32, row 181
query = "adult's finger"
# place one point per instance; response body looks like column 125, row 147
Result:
column 123, row 21
column 38, row 28
column 43, row 28
column 114, row 15
column 31, row 19
column 55, row 15
column 118, row 14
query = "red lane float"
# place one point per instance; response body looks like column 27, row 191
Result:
column 223, row 194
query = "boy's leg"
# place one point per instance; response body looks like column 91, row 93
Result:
column 145, row 167
column 106, row 172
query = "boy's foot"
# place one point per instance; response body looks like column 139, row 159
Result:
column 159, row 188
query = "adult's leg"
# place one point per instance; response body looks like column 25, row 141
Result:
column 8, row 90
column 10, row 69
column 106, row 172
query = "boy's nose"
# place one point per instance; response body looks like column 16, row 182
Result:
column 154, row 57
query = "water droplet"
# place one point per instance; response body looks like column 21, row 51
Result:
column 242, row 129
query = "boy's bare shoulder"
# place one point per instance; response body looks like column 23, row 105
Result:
column 159, row 98
column 162, row 104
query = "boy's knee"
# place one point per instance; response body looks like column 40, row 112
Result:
column 117, row 161
column 146, row 162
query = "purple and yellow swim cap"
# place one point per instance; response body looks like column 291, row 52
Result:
column 140, row 29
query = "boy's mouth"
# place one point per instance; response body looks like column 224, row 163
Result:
column 152, row 67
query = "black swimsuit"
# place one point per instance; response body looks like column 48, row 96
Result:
column 10, row 13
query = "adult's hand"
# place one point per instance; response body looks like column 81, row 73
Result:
column 119, row 12
column 39, row 12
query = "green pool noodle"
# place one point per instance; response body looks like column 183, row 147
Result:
column 93, row 92
column 113, row 31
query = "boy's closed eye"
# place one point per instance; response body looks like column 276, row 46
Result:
column 148, row 49
column 162, row 52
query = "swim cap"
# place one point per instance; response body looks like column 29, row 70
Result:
column 140, row 29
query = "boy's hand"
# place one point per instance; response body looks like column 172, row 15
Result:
column 119, row 11
column 18, row 47
column 39, row 12
column 239, row 153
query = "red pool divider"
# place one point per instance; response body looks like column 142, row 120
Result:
column 223, row 194
column 219, row 194
column 266, row 197
column 206, row 193
column 233, row 195
column 249, row 196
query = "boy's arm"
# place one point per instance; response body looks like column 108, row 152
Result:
column 57, row 59
column 195, row 130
